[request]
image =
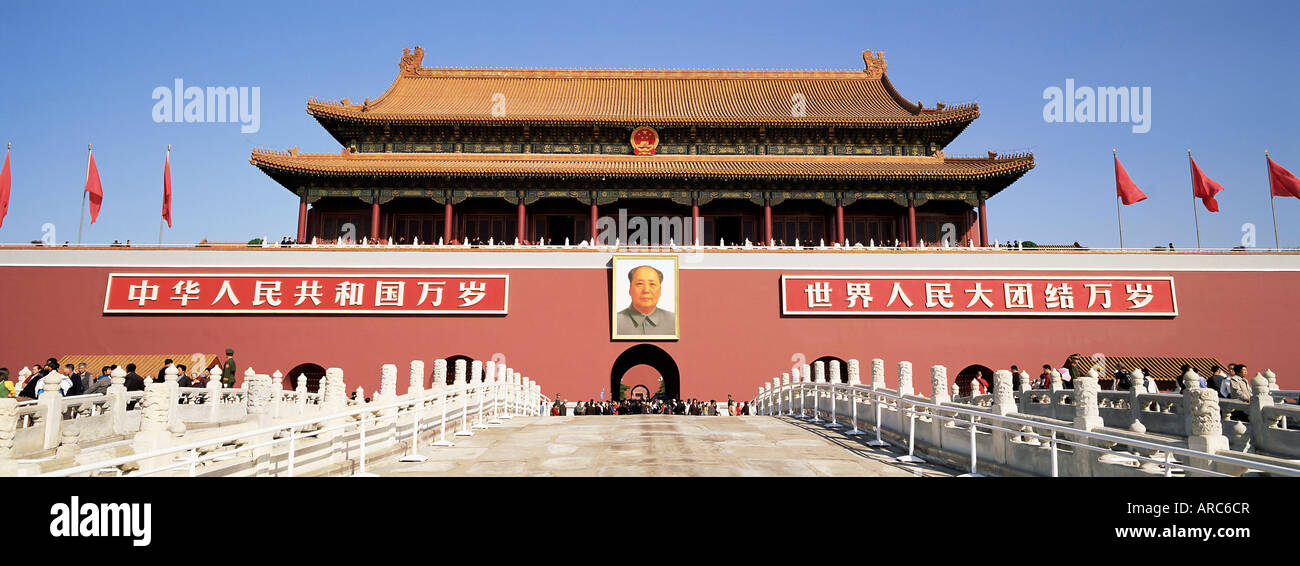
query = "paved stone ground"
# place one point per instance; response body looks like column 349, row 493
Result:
column 659, row 445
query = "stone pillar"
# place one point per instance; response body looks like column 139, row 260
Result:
column 258, row 398
column 415, row 385
column 1086, row 415
column 51, row 408
column 277, row 393
column 1025, row 382
column 855, row 378
column 785, row 377
column 476, row 372
column 302, row 393
column 1004, row 397
column 336, row 392
column 1191, row 380
column 877, row 373
column 834, row 371
column 212, row 397
column 1204, row 425
column 248, row 373
column 460, row 373
column 117, row 400
column 8, row 429
column 955, row 392
column 1260, row 399
column 794, row 375
column 387, row 383
column 23, row 375
column 1139, row 387
column 1272, row 380
column 819, row 372
column 1055, row 383
column 806, row 372
column 439, row 383
column 154, row 420
column 939, row 383
column 905, row 379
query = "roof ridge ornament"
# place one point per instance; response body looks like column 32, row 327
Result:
column 875, row 64
column 411, row 62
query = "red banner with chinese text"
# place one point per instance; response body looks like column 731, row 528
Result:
column 176, row 293
column 978, row 296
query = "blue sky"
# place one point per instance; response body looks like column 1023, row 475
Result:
column 1223, row 77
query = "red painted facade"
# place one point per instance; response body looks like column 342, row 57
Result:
column 733, row 334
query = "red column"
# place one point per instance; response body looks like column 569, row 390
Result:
column 984, row 227
column 446, row 222
column 767, row 222
column 695, row 221
column 595, row 216
column 911, row 223
column 522, row 224
column 374, row 219
column 302, row 219
column 839, row 221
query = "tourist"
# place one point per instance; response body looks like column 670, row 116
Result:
column 162, row 373
column 75, row 386
column 7, row 388
column 1123, row 380
column 978, row 385
column 1067, row 380
column 1218, row 381
column 133, row 380
column 85, row 377
column 65, row 384
column 1045, row 378
column 1237, row 386
column 101, row 383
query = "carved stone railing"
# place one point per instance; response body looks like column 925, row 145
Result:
column 1061, row 432
column 288, row 432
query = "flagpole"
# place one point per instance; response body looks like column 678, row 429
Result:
column 160, row 218
column 1117, row 214
column 82, row 223
column 1195, row 213
column 1272, row 199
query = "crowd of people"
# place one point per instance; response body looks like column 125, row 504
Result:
column 76, row 379
column 654, row 406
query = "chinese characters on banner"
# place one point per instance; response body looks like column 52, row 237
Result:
column 986, row 296
column 306, row 293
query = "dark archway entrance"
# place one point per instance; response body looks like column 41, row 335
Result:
column 650, row 355
column 451, row 368
column 844, row 367
column 313, row 372
column 968, row 373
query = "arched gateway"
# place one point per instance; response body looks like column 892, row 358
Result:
column 649, row 355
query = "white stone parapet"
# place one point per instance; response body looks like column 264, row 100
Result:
column 905, row 378
column 877, row 373
column 939, row 383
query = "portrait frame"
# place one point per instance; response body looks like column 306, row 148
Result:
column 620, row 298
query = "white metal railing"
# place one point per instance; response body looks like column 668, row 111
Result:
column 914, row 408
column 514, row 400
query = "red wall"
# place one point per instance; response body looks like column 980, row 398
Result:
column 732, row 333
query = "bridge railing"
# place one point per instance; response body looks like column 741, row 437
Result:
column 330, row 436
column 1013, row 443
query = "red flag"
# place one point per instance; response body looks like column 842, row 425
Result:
column 93, row 187
column 4, row 189
column 1127, row 191
column 1284, row 184
column 1204, row 188
column 167, row 189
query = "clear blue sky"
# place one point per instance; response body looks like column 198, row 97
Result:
column 1223, row 79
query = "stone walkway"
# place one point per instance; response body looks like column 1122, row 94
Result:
column 659, row 445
